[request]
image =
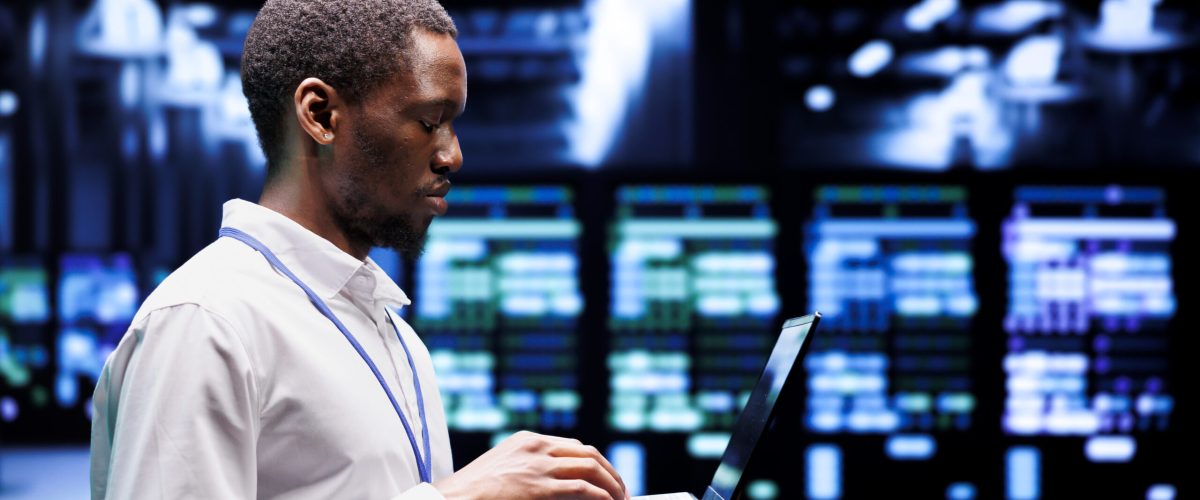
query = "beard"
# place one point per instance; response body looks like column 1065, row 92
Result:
column 367, row 222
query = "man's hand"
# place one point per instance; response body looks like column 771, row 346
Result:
column 529, row 465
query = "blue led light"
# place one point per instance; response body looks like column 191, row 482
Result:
column 8, row 103
column 1110, row 448
column 629, row 459
column 820, row 98
column 1023, row 472
column 871, row 58
column 961, row 491
column 823, row 464
column 1161, row 492
column 911, row 447
column 1034, row 60
column 1015, row 16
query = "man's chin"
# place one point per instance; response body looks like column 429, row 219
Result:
column 413, row 252
column 411, row 247
column 400, row 235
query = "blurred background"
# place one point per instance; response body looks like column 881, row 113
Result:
column 985, row 199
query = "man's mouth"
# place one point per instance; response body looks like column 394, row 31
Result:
column 440, row 189
column 437, row 197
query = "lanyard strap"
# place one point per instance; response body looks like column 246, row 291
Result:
column 424, row 466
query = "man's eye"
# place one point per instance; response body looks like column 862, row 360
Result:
column 428, row 126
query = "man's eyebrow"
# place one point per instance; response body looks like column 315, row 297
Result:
column 443, row 103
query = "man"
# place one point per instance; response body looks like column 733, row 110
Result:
column 273, row 363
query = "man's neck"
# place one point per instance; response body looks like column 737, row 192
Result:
column 305, row 203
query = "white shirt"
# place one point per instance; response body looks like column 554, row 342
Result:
column 230, row 384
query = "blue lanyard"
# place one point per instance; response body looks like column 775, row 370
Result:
column 424, row 466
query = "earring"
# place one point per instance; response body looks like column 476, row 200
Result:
column 328, row 136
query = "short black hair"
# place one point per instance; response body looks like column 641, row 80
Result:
column 352, row 45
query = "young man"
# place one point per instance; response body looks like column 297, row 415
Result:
column 273, row 363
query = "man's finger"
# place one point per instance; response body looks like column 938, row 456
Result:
column 584, row 451
column 578, row 488
column 589, row 470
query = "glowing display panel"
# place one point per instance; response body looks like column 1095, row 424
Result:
column 1090, row 297
column 97, row 298
column 24, row 353
column 693, row 301
column 891, row 270
column 497, row 303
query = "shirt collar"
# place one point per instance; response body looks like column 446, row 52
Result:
column 315, row 260
column 385, row 287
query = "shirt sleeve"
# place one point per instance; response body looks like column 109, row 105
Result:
column 176, row 411
column 423, row 491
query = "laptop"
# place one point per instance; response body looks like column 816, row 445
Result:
column 759, row 410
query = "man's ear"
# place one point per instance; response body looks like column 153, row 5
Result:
column 318, row 108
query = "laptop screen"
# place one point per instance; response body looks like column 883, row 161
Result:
column 761, row 405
